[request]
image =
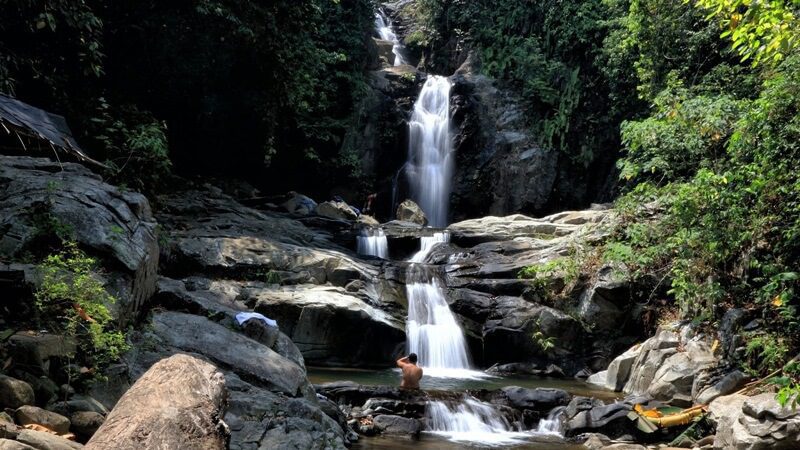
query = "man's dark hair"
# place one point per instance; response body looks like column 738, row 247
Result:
column 412, row 357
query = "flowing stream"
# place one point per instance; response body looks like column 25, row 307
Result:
column 430, row 165
column 472, row 421
column 384, row 28
column 372, row 242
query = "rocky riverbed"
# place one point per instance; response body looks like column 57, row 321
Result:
column 246, row 386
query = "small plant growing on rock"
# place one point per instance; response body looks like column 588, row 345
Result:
column 72, row 300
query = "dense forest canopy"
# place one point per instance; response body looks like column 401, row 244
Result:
column 698, row 102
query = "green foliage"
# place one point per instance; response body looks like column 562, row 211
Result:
column 765, row 352
column 684, row 133
column 133, row 144
column 717, row 220
column 73, row 301
column 568, row 269
column 36, row 38
column 763, row 31
column 542, row 342
column 272, row 277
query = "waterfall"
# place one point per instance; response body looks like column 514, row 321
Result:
column 431, row 329
column 430, row 166
column 373, row 242
column 553, row 424
column 471, row 421
column 384, row 28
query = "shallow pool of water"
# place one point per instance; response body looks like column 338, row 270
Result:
column 430, row 441
column 478, row 380
column 467, row 380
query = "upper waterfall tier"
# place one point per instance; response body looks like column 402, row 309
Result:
column 430, row 164
column 384, row 28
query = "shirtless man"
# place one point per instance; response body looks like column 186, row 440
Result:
column 411, row 372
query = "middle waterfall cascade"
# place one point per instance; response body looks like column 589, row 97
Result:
column 471, row 421
column 430, row 163
column 431, row 329
column 373, row 242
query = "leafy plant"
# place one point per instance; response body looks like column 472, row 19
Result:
column 73, row 301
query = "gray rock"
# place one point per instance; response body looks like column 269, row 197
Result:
column 606, row 303
column 35, row 350
column 760, row 424
column 230, row 349
column 727, row 385
column 336, row 210
column 539, row 399
column 330, row 325
column 32, row 415
column 78, row 403
column 390, row 424
column 300, row 204
column 8, row 429
column 86, row 423
column 578, row 404
column 8, row 444
column 598, row 378
column 259, row 418
column 619, row 370
column 15, row 393
column 408, row 211
column 178, row 403
column 118, row 225
column 608, row 419
column 41, row 440
column 512, row 321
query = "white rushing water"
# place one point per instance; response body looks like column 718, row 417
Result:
column 384, row 27
column 553, row 424
column 471, row 421
column 430, row 165
column 372, row 242
column 431, row 329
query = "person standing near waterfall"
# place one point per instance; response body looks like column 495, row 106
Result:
column 412, row 373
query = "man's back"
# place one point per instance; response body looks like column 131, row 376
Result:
column 411, row 372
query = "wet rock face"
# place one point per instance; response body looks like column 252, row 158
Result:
column 500, row 168
column 116, row 225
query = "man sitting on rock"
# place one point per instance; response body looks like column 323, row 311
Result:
column 411, row 372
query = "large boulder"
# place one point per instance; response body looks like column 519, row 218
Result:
column 508, row 333
column 232, row 350
column 330, row 325
column 760, row 424
column 260, row 418
column 668, row 363
column 337, row 210
column 606, row 303
column 34, row 350
column 538, row 399
column 300, row 204
column 408, row 211
column 390, row 424
column 178, row 403
column 26, row 415
column 42, row 440
column 728, row 384
column 114, row 223
column 15, row 393
column 618, row 372
column 8, row 444
column 611, row 420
